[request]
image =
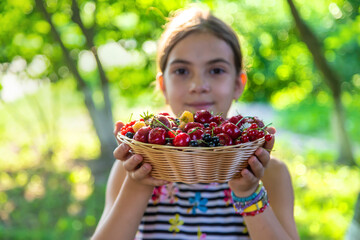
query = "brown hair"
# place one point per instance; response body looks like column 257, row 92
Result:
column 193, row 20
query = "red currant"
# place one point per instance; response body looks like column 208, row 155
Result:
column 268, row 137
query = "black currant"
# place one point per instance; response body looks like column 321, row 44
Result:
column 129, row 134
column 206, row 125
column 194, row 143
column 207, row 137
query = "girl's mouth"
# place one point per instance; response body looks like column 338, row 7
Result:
column 200, row 105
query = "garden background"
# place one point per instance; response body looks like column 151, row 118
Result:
column 70, row 68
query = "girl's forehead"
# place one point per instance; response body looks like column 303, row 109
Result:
column 200, row 47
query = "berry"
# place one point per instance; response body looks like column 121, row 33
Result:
column 235, row 119
column 157, row 136
column 181, row 140
column 203, row 116
column 260, row 134
column 215, row 140
column 259, row 122
column 142, row 135
column 218, row 119
column 212, row 125
column 170, row 134
column 231, row 129
column 244, row 139
column 196, row 133
column 194, row 143
column 207, row 137
column 268, row 137
column 138, row 125
column 191, row 125
column 129, row 134
column 253, row 126
column 224, row 139
column 217, row 130
column 160, row 121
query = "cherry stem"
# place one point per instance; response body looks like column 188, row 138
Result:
column 196, row 128
column 263, row 128
column 165, row 126
column 243, row 119
column 130, row 117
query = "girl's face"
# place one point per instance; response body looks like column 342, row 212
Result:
column 200, row 74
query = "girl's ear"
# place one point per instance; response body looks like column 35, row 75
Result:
column 240, row 84
column 161, row 84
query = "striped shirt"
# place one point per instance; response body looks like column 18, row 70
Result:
column 196, row 211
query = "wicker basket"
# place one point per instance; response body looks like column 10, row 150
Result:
column 194, row 164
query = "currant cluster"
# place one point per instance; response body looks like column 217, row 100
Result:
column 201, row 129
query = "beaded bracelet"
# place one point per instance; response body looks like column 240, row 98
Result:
column 253, row 213
column 249, row 198
column 253, row 207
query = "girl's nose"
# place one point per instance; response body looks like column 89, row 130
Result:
column 199, row 84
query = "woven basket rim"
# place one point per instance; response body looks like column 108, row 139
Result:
column 158, row 146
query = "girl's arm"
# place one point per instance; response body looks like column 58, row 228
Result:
column 128, row 190
column 277, row 221
column 124, row 217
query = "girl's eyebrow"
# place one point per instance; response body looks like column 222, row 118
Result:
column 179, row 61
column 216, row 60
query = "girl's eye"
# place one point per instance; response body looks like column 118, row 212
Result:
column 180, row 71
column 217, row 71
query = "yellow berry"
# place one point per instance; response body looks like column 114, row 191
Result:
column 138, row 125
column 186, row 117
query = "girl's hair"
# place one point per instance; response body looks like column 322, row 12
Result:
column 194, row 20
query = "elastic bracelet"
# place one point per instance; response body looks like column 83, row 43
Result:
column 253, row 213
column 249, row 198
column 240, row 206
column 253, row 207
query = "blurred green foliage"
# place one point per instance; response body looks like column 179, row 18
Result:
column 47, row 140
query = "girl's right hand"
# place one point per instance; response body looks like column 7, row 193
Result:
column 133, row 163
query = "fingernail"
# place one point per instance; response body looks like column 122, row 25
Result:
column 125, row 147
column 137, row 158
column 145, row 167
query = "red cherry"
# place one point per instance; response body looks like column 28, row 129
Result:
column 268, row 137
column 253, row 126
column 164, row 114
column 217, row 130
column 212, row 125
column 260, row 134
column 237, row 141
column 157, row 136
column 235, row 119
column 182, row 140
column 218, row 119
column 231, row 129
column 259, row 122
column 170, row 134
column 203, row 116
column 196, row 133
column 164, row 120
column 224, row 139
column 244, row 139
column 190, row 125
column 142, row 134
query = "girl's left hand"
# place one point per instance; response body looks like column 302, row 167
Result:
column 249, row 180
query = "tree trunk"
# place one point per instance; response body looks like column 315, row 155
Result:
column 353, row 232
column 333, row 81
column 100, row 116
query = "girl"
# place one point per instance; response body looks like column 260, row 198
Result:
column 200, row 67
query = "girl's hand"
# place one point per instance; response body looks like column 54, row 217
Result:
column 133, row 163
column 249, row 180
